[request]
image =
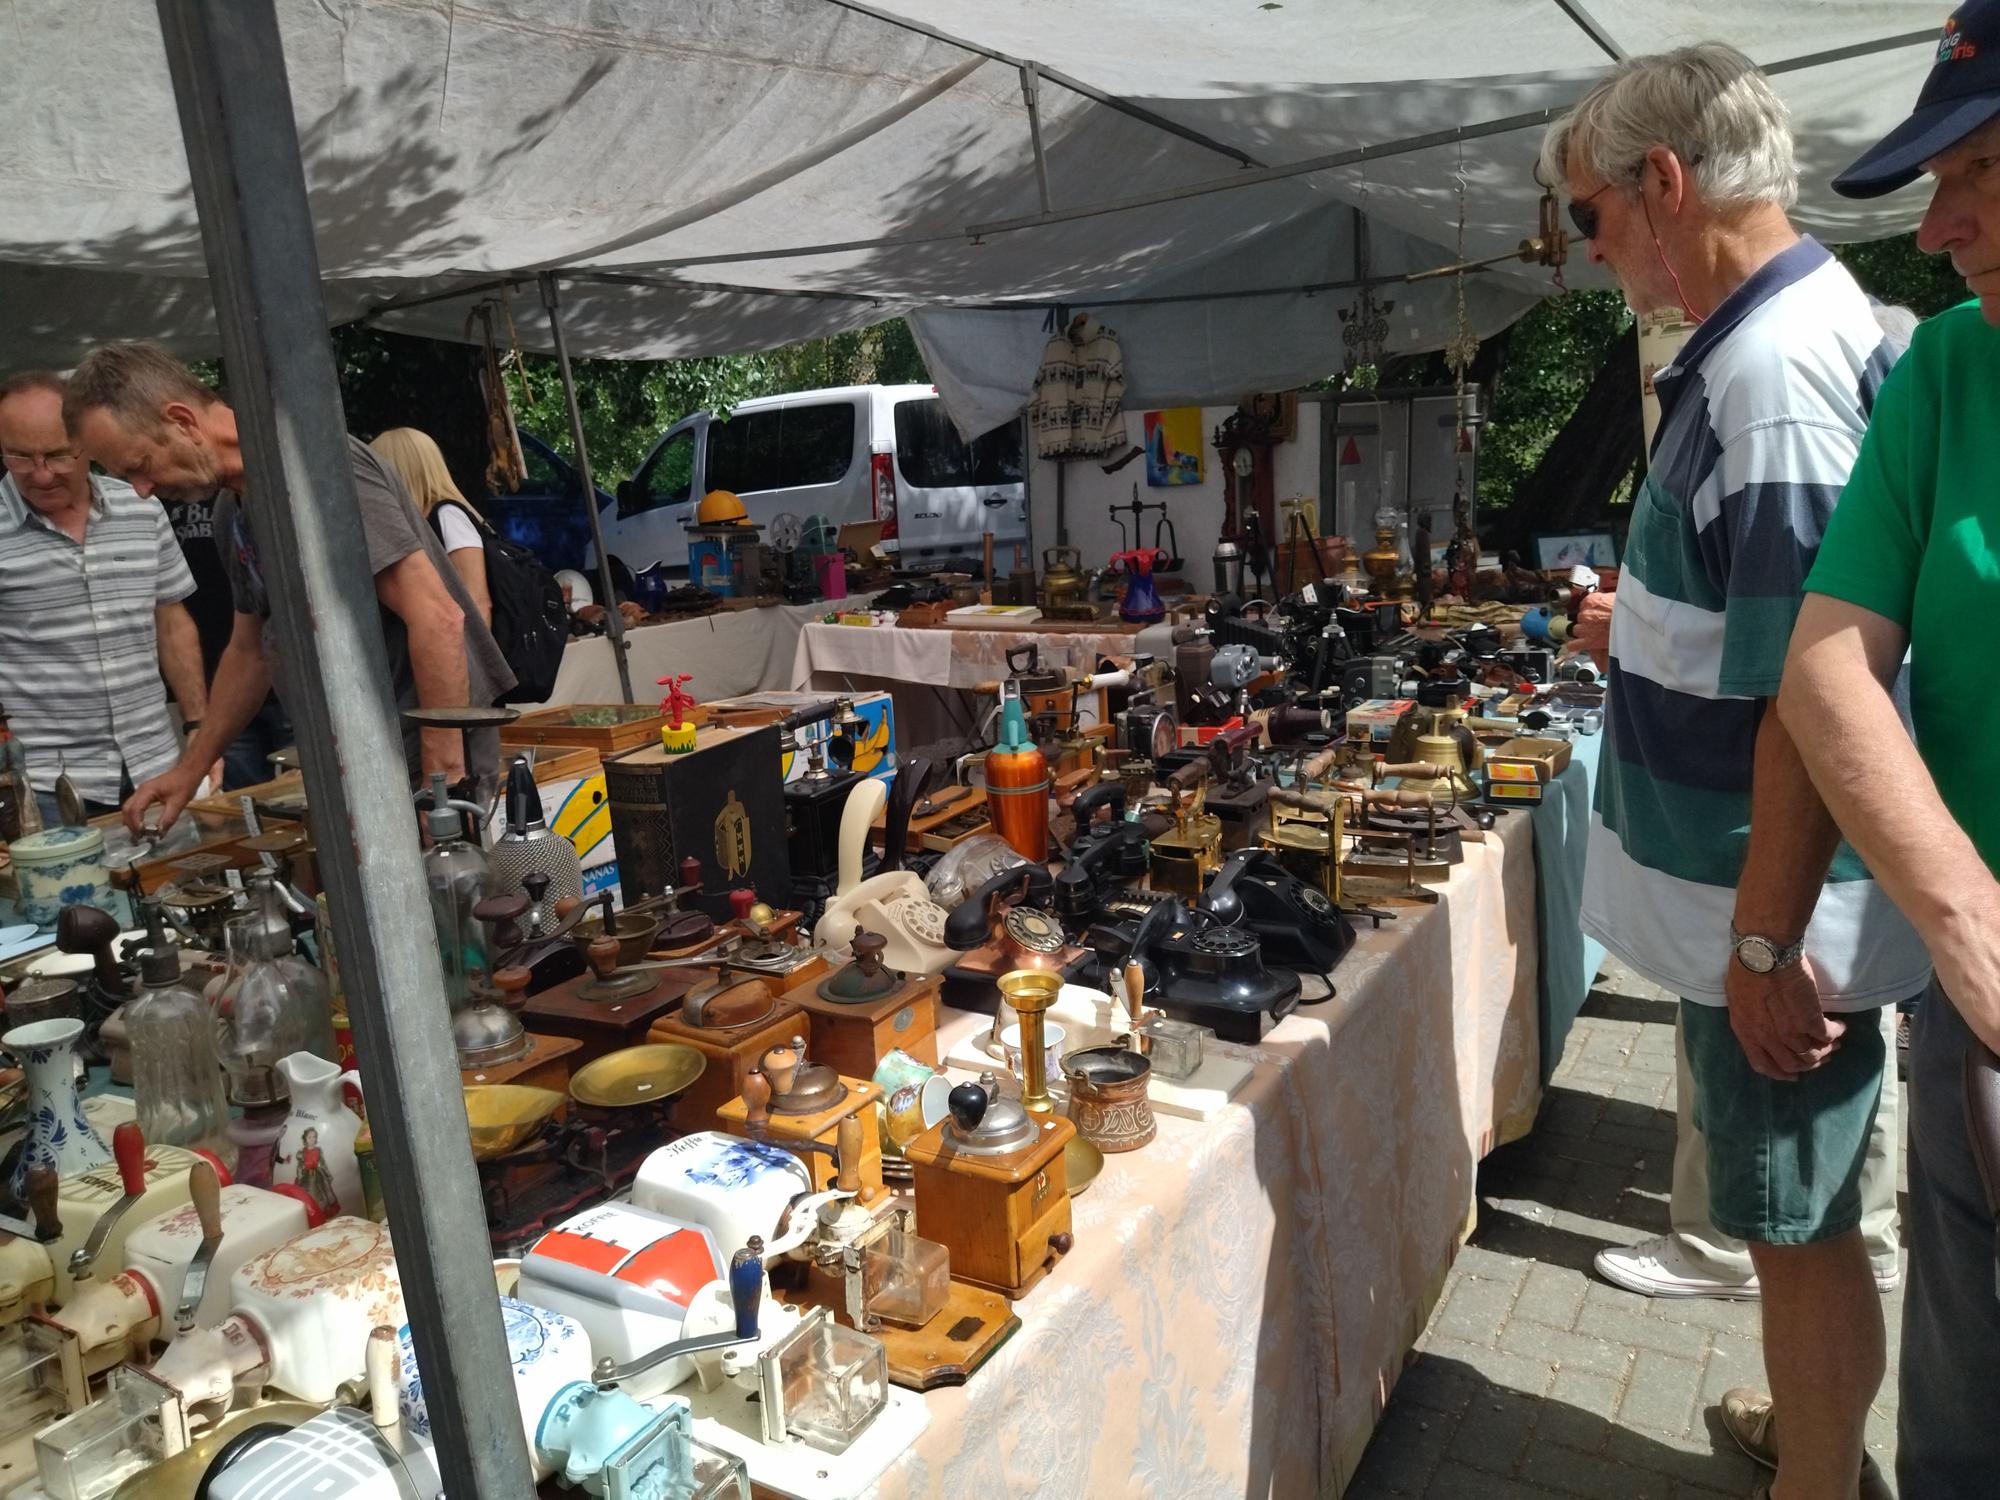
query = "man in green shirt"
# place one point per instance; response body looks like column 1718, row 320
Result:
column 1911, row 561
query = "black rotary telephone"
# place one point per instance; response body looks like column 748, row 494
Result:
column 1199, row 969
column 1103, row 856
column 1296, row 924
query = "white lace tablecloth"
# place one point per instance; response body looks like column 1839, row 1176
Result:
column 1243, row 1290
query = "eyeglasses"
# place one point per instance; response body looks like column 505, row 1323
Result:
column 56, row 461
column 1583, row 212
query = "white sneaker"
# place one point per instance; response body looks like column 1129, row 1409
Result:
column 1659, row 1268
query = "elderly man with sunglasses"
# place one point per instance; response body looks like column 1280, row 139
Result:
column 1715, row 870
column 91, row 584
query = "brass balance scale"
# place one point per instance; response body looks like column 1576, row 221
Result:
column 544, row 1156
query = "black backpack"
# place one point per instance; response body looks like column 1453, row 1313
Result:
column 530, row 621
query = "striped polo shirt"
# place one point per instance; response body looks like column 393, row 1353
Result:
column 1761, row 417
column 79, row 656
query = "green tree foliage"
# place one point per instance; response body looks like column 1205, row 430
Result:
column 1549, row 358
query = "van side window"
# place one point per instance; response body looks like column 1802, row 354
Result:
column 818, row 443
column 781, row 450
column 743, row 453
column 669, row 477
column 933, row 456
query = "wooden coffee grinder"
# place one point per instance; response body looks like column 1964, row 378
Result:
column 992, row 1186
column 864, row 1010
column 793, row 1101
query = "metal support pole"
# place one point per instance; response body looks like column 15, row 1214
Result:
column 228, row 69
column 1030, row 90
column 613, row 621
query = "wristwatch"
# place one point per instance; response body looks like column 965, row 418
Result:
column 1762, row 955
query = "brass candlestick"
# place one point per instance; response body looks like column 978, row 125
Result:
column 1031, row 992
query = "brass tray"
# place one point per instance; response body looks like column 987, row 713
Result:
column 650, row 1074
column 1084, row 1161
column 506, row 1115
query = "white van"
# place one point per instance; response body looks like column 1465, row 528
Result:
column 854, row 453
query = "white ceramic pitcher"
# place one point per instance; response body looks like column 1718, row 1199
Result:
column 317, row 1149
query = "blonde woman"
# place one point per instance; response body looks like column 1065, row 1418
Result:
column 418, row 463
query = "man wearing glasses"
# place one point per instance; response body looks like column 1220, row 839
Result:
column 91, row 584
column 1715, row 870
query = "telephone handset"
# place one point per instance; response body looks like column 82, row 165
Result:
column 973, row 920
column 896, row 903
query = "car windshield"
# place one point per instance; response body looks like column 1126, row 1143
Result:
column 932, row 455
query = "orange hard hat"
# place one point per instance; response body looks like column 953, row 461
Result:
column 720, row 508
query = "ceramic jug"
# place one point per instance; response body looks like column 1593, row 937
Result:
column 317, row 1149
column 58, row 1134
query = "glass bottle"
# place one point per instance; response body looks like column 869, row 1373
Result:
column 458, row 877
column 270, row 1003
column 176, row 1079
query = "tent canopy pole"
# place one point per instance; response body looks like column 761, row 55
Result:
column 227, row 64
column 614, row 622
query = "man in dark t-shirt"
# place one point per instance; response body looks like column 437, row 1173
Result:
column 141, row 414
column 247, row 761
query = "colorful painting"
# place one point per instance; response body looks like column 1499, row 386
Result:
column 1173, row 446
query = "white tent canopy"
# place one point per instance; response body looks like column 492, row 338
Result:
column 717, row 176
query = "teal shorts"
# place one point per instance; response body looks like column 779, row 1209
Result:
column 1784, row 1159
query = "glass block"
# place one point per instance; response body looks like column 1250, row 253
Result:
column 824, row 1383
column 1174, row 1046
column 905, row 1279
column 132, row 1426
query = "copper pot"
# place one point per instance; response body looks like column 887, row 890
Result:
column 1108, row 1101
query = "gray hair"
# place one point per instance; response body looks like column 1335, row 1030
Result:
column 1708, row 104
column 133, row 382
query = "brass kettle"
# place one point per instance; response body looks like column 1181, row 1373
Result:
column 1063, row 582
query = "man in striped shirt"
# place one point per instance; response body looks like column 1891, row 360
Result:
column 1715, row 870
column 91, row 584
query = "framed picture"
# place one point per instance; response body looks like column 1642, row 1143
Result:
column 1173, row 446
column 1565, row 549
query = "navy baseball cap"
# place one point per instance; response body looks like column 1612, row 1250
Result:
column 1961, row 94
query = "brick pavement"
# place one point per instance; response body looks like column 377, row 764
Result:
column 1534, row 1377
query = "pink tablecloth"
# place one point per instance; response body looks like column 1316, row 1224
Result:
column 1243, row 1291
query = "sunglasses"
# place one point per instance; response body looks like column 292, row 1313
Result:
column 1583, row 212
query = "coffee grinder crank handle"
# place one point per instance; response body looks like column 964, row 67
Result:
column 205, row 1192
column 128, row 1148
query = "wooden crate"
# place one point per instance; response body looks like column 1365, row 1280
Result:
column 569, row 724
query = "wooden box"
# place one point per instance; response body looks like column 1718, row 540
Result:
column 721, row 803
column 824, row 1128
column 604, row 727
column 1518, row 772
column 733, row 1052
column 1005, row 1219
column 218, row 846
column 854, row 1039
column 602, row 1025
